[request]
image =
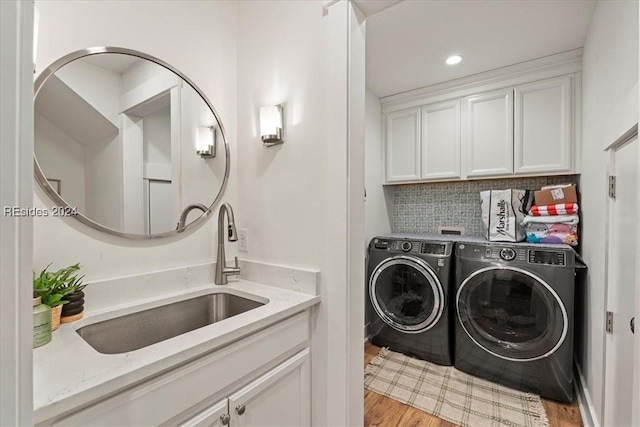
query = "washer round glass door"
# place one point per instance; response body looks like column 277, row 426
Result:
column 406, row 294
column 511, row 313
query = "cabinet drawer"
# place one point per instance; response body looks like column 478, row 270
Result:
column 162, row 398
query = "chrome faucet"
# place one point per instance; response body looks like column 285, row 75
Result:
column 183, row 216
column 222, row 271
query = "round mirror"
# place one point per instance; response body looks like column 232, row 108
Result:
column 127, row 144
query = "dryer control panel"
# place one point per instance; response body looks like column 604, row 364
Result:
column 547, row 257
column 412, row 246
column 506, row 253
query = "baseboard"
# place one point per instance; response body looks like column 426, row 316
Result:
column 585, row 404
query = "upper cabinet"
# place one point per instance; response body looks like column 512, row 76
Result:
column 488, row 133
column 440, row 140
column 543, row 127
column 402, row 154
column 496, row 125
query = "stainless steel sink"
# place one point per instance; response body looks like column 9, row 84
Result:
column 137, row 330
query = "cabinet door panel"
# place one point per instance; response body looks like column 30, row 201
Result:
column 488, row 133
column 402, row 161
column 210, row 417
column 543, row 122
column 440, row 139
column 280, row 398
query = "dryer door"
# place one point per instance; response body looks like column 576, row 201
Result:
column 511, row 313
column 406, row 294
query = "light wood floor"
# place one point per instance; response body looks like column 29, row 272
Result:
column 385, row 412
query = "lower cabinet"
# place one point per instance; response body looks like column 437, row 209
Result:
column 216, row 415
column 278, row 398
column 261, row 380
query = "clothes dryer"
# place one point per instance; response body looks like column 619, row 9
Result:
column 408, row 288
column 514, row 315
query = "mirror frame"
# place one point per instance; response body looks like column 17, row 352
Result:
column 44, row 183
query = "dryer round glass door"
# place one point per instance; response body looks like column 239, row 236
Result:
column 406, row 294
column 511, row 313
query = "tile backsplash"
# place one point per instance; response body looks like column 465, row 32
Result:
column 425, row 207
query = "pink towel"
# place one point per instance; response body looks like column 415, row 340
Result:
column 550, row 210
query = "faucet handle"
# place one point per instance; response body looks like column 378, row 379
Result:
column 235, row 270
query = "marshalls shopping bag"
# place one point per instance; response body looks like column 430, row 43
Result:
column 502, row 214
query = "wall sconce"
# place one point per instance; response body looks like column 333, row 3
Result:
column 271, row 125
column 206, row 142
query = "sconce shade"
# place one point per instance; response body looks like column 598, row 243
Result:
column 271, row 124
column 206, row 141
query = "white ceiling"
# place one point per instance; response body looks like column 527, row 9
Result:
column 113, row 61
column 408, row 43
column 371, row 7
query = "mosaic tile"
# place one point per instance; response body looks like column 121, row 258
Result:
column 425, row 207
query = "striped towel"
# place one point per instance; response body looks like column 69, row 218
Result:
column 559, row 209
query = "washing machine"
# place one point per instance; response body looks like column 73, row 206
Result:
column 408, row 296
column 514, row 315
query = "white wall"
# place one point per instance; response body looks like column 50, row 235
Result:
column 205, row 51
column 195, row 169
column 282, row 189
column 98, row 86
column 378, row 207
column 379, row 201
column 61, row 157
column 143, row 81
column 610, row 107
column 295, row 198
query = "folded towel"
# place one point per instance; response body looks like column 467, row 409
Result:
column 555, row 219
column 551, row 210
column 547, row 229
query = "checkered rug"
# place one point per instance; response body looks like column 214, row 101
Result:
column 450, row 394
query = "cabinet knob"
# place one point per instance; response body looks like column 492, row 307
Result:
column 240, row 409
column 225, row 418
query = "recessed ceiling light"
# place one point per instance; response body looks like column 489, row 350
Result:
column 453, row 59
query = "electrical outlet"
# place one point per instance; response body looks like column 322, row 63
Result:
column 243, row 240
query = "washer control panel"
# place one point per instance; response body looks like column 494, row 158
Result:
column 406, row 246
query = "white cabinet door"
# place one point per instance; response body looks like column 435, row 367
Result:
column 440, row 140
column 488, row 134
column 280, row 398
column 211, row 417
column 543, row 123
column 402, row 139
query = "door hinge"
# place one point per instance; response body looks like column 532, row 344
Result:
column 612, row 186
column 609, row 325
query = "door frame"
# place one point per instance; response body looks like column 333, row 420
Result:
column 16, row 246
column 616, row 145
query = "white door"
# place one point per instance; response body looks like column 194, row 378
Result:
column 402, row 142
column 488, row 133
column 160, row 209
column 214, row 416
column 622, row 282
column 543, row 122
column 280, row 398
column 440, row 140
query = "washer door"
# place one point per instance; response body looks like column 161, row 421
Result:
column 511, row 313
column 406, row 294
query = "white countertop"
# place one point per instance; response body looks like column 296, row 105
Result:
column 68, row 372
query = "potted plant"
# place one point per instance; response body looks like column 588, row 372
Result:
column 57, row 288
